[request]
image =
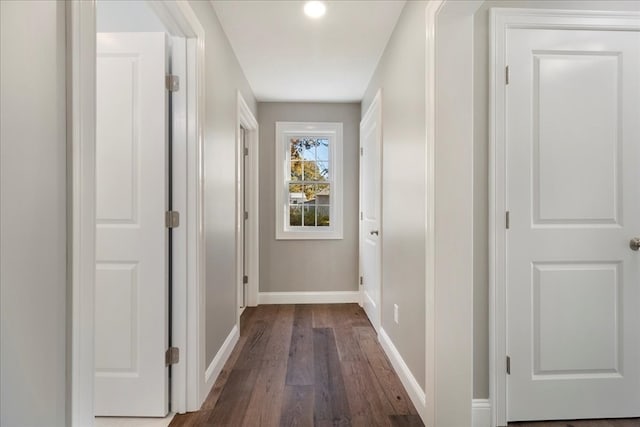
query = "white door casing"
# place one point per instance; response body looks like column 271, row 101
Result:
column 243, row 207
column 247, row 231
column 571, row 281
column 370, row 211
column 131, row 238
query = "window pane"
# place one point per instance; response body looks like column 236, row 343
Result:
column 323, row 169
column 303, row 149
column 309, row 219
column 312, row 172
column 295, row 216
column 296, row 170
column 323, row 216
column 322, row 193
column 297, row 195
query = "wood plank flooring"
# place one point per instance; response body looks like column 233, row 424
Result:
column 306, row 365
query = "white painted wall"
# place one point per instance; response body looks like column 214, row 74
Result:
column 308, row 265
column 117, row 16
column 480, row 166
column 33, row 262
column 223, row 78
column 453, row 211
column 401, row 76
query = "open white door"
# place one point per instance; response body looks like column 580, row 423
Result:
column 370, row 210
column 572, row 188
column 131, row 311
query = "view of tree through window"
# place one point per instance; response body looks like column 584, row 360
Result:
column 309, row 182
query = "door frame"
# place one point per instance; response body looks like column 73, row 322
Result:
column 374, row 108
column 246, row 119
column 502, row 19
column 188, row 378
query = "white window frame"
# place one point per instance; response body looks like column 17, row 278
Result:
column 284, row 132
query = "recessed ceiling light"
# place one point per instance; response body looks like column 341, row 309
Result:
column 315, row 9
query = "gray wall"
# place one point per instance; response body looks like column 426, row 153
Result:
column 223, row 78
column 401, row 76
column 338, row 270
column 126, row 16
column 33, row 287
column 481, row 143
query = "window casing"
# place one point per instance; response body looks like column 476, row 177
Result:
column 309, row 202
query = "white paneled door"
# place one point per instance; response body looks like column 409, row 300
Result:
column 370, row 211
column 573, row 193
column 131, row 320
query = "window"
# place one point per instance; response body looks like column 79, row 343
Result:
column 308, row 180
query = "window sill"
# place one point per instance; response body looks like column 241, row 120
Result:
column 309, row 235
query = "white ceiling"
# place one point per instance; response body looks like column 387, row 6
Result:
column 289, row 57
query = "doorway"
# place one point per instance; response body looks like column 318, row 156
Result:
column 566, row 214
column 247, row 210
column 187, row 389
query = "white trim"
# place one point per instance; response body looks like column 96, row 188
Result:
column 189, row 313
column 215, row 367
column 449, row 346
column 501, row 20
column 432, row 9
column 480, row 413
column 81, row 116
column 411, row 385
column 247, row 120
column 333, row 131
column 323, row 297
column 178, row 327
column 134, row 421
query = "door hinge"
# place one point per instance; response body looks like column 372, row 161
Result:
column 506, row 220
column 172, row 82
column 506, row 75
column 361, row 216
column 246, row 151
column 508, row 365
column 172, row 356
column 361, row 280
column 172, row 219
column 245, row 279
column 361, row 151
column 246, row 215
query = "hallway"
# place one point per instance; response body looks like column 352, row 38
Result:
column 306, row 365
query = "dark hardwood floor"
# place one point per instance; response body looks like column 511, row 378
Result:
column 306, row 365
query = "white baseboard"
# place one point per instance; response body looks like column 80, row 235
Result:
column 216, row 365
column 481, row 413
column 330, row 297
column 133, row 422
column 416, row 393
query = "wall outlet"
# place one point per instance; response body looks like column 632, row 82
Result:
column 395, row 313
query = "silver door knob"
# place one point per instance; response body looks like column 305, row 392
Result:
column 376, row 233
column 634, row 244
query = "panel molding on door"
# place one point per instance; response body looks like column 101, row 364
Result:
column 570, row 320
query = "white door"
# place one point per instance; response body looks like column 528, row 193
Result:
column 244, row 238
column 573, row 193
column 131, row 265
column 370, row 191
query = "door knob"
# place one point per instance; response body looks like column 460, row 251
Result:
column 634, row 244
column 376, row 233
